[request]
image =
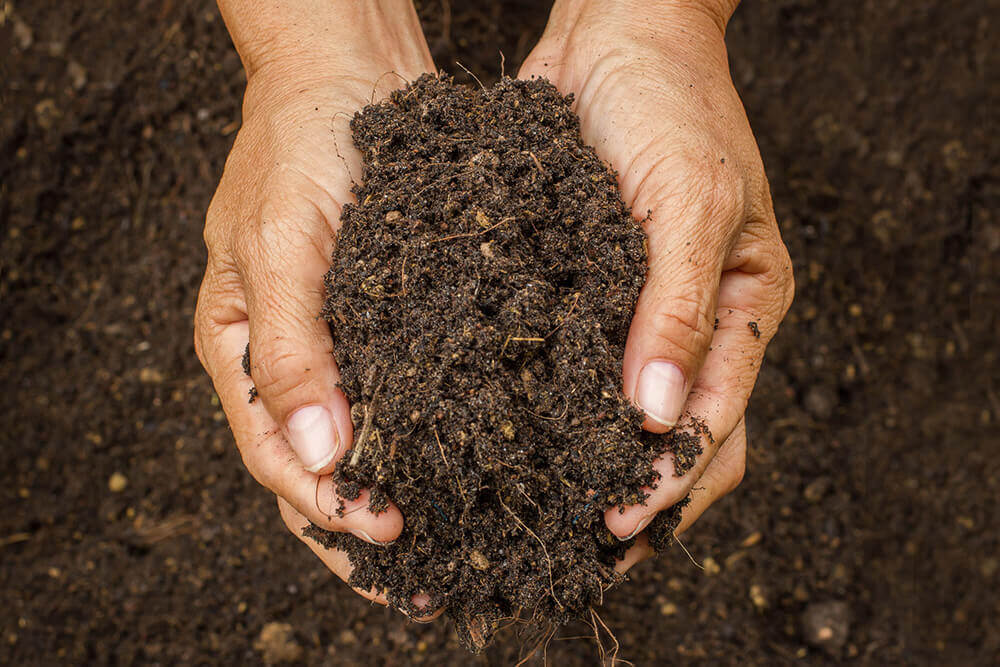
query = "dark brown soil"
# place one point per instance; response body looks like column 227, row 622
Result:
column 873, row 487
column 479, row 300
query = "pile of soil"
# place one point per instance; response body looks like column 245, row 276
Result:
column 479, row 300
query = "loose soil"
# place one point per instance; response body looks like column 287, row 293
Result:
column 131, row 533
column 479, row 300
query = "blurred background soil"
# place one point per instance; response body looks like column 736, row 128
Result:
column 865, row 531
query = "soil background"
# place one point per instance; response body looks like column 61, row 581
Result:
column 130, row 531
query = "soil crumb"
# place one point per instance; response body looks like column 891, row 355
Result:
column 479, row 300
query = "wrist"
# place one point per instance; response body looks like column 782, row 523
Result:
column 656, row 15
column 293, row 38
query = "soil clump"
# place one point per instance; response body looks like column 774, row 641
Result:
column 479, row 301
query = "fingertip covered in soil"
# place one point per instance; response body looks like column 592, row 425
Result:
column 479, row 300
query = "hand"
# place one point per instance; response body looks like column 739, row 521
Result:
column 655, row 99
column 270, row 231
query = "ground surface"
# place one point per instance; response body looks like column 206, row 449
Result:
column 130, row 531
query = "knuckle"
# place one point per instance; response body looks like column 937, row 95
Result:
column 213, row 235
column 692, row 187
column 268, row 473
column 685, row 323
column 719, row 191
column 202, row 326
column 247, row 247
column 280, row 237
column 732, row 461
column 280, row 368
column 734, row 473
column 199, row 346
column 725, row 473
column 768, row 261
column 788, row 273
column 779, row 279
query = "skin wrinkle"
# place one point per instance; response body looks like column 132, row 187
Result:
column 281, row 370
column 327, row 212
column 702, row 232
column 690, row 315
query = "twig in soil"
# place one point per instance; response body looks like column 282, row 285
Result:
column 516, row 618
column 402, row 281
column 552, row 587
column 379, row 80
column 359, row 445
column 606, row 657
column 551, row 419
column 14, row 538
column 176, row 525
column 532, row 339
column 544, row 639
column 576, row 299
column 336, row 145
column 537, row 162
column 440, row 447
column 527, row 497
column 690, row 557
column 467, row 234
column 471, row 74
column 444, row 458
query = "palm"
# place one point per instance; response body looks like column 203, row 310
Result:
column 672, row 126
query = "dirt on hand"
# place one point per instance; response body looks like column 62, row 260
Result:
column 479, row 300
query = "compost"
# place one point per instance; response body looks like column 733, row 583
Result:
column 479, row 301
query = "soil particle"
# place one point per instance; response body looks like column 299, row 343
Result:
column 479, row 300
column 825, row 625
column 817, row 489
column 117, row 482
column 821, row 401
column 276, row 644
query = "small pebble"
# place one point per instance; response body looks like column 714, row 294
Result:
column 816, row 489
column 117, row 482
column 821, row 401
column 757, row 597
column 825, row 625
column 668, row 609
column 77, row 75
column 276, row 643
column 507, row 428
column 478, row 560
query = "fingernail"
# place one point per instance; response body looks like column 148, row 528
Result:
column 362, row 535
column 660, row 393
column 313, row 436
column 638, row 529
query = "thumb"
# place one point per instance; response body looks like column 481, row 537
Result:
column 291, row 352
column 675, row 315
